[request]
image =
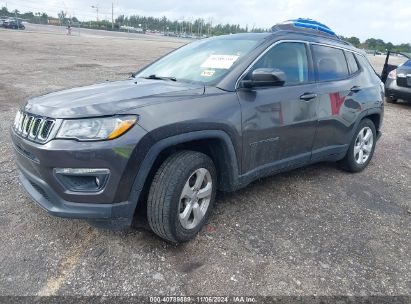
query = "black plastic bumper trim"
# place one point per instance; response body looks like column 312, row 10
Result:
column 47, row 199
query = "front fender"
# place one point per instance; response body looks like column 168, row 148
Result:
column 231, row 170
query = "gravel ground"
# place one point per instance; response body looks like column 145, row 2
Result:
column 312, row 231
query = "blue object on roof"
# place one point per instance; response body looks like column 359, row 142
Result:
column 311, row 24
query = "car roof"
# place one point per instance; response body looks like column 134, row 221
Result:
column 312, row 37
column 294, row 35
column 306, row 30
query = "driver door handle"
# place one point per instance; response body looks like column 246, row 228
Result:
column 308, row 96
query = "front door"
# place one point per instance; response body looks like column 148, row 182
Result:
column 279, row 122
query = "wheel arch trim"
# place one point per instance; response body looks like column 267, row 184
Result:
column 366, row 113
column 171, row 141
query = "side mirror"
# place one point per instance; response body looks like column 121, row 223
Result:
column 265, row 77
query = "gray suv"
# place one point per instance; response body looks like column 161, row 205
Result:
column 215, row 114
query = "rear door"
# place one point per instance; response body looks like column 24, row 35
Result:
column 340, row 89
column 279, row 123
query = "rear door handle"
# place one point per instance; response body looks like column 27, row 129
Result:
column 308, row 96
column 355, row 89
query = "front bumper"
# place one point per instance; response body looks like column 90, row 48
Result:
column 117, row 215
column 392, row 90
column 110, row 207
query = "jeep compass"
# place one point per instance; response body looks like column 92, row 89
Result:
column 215, row 114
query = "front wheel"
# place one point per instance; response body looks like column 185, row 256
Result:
column 361, row 148
column 181, row 196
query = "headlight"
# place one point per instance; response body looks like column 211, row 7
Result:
column 96, row 128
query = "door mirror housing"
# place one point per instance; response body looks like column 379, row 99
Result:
column 265, row 77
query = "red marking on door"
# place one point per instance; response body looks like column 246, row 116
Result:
column 336, row 102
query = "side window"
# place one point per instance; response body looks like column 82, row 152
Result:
column 330, row 63
column 366, row 65
column 291, row 58
column 352, row 63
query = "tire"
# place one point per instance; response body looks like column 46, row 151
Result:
column 390, row 100
column 176, row 215
column 352, row 161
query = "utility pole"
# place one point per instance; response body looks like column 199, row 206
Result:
column 112, row 15
column 96, row 7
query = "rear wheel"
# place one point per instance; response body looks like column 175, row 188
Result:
column 181, row 196
column 361, row 148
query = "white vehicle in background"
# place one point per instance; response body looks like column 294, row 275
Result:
column 132, row 29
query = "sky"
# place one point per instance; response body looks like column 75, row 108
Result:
column 389, row 20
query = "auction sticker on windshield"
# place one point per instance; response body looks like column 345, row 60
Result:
column 207, row 73
column 219, row 61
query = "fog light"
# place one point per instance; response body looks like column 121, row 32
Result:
column 82, row 179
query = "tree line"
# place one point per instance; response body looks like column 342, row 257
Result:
column 192, row 26
column 378, row 45
column 196, row 27
column 188, row 27
column 36, row 17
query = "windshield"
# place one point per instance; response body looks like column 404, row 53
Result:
column 204, row 61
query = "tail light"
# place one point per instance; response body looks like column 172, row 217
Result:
column 393, row 74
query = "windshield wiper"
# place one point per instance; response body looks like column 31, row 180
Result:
column 160, row 77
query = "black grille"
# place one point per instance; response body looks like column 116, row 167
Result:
column 47, row 128
column 404, row 77
column 28, row 124
column 402, row 81
column 33, row 127
column 36, row 125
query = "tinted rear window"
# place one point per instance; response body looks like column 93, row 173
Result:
column 330, row 63
column 352, row 63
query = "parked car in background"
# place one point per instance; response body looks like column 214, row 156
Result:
column 14, row 24
column 397, row 79
column 215, row 114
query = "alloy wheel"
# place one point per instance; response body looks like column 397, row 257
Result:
column 195, row 198
column 363, row 145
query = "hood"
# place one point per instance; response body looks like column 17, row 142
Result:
column 110, row 98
